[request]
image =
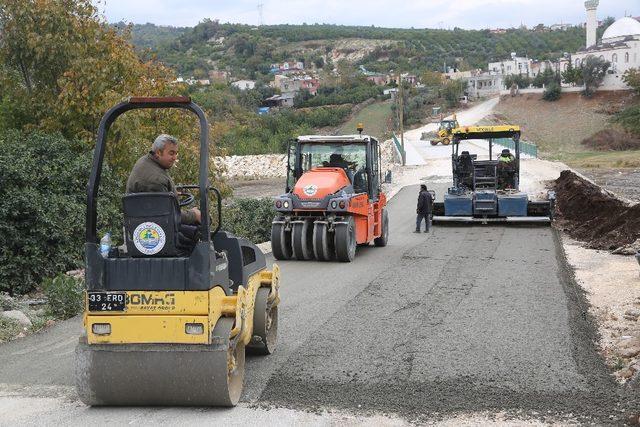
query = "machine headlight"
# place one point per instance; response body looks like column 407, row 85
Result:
column 342, row 204
column 286, row 204
column 101, row 328
column 278, row 204
column 194, row 328
column 334, row 204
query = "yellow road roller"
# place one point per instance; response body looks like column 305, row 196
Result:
column 169, row 315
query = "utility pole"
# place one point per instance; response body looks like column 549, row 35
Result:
column 401, row 111
column 260, row 12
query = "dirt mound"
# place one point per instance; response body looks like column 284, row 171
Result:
column 612, row 140
column 593, row 215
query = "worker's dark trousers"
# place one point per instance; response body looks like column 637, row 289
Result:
column 427, row 221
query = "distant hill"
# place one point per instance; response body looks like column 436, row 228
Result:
column 248, row 51
column 151, row 36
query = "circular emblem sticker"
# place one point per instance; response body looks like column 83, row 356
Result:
column 310, row 190
column 149, row 238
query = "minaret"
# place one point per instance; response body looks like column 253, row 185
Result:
column 592, row 21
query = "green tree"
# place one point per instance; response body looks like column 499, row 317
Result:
column 64, row 67
column 553, row 92
column 632, row 78
column 452, row 91
column 519, row 80
column 545, row 78
column 572, row 75
column 594, row 70
column 629, row 118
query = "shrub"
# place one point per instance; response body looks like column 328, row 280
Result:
column 42, row 207
column 65, row 296
column 612, row 140
column 552, row 92
column 249, row 218
column 8, row 329
column 629, row 118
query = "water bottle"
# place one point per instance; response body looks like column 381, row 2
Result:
column 105, row 245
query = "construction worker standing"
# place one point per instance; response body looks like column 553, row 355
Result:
column 425, row 205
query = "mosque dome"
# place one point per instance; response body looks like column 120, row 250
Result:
column 621, row 28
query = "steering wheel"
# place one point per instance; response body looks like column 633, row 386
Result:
column 185, row 198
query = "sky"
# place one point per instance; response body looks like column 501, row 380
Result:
column 446, row 14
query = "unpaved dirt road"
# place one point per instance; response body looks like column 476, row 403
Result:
column 462, row 320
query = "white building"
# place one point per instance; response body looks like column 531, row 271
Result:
column 244, row 84
column 620, row 45
column 515, row 65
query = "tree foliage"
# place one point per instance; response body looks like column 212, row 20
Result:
column 572, row 75
column 64, row 67
column 553, row 92
column 42, row 208
column 629, row 118
column 519, row 80
column 632, row 78
column 594, row 70
column 545, row 78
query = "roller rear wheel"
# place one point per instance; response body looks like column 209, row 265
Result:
column 446, row 141
column 322, row 242
column 434, row 142
column 345, row 240
column 281, row 242
column 384, row 236
column 302, row 239
column 265, row 325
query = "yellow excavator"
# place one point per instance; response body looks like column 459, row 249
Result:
column 167, row 319
column 445, row 130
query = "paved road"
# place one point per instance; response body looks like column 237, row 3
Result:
column 464, row 319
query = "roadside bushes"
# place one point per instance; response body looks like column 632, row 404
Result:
column 249, row 218
column 42, row 207
column 64, row 296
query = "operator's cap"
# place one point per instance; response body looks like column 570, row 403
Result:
column 466, row 153
column 506, row 151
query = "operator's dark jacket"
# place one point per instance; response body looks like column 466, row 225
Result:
column 147, row 176
column 425, row 202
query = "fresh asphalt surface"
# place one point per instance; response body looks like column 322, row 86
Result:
column 464, row 319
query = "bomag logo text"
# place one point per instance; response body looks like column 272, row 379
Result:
column 151, row 302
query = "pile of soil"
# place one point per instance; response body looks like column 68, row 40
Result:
column 612, row 140
column 593, row 215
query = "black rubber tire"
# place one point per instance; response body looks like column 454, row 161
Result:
column 302, row 240
column 384, row 237
column 322, row 242
column 281, row 242
column 265, row 325
column 434, row 142
column 446, row 141
column 345, row 240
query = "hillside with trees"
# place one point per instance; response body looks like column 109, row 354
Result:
column 250, row 50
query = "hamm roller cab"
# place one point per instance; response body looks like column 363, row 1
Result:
column 488, row 190
column 167, row 320
column 333, row 199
